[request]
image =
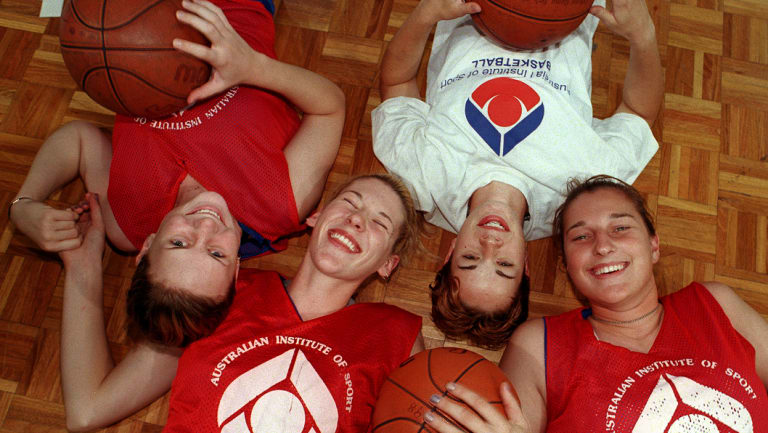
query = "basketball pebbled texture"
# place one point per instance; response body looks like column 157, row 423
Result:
column 120, row 53
column 404, row 396
column 530, row 24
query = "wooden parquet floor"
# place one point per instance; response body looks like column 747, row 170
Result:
column 707, row 185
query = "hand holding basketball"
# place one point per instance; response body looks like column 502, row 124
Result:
column 627, row 18
column 229, row 55
column 489, row 418
column 439, row 10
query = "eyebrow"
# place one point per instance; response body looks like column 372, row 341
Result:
column 498, row 272
column 360, row 196
column 612, row 216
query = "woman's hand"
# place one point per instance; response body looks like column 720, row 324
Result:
column 629, row 19
column 232, row 59
column 482, row 417
column 90, row 225
column 433, row 11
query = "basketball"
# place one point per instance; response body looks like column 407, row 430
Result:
column 528, row 24
column 404, row 396
column 120, row 53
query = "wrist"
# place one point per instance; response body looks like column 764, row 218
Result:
column 15, row 203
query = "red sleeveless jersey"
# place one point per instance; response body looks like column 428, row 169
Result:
column 231, row 143
column 699, row 375
column 266, row 370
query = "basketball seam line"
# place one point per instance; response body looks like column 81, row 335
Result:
column 102, row 28
column 106, row 64
column 535, row 18
column 77, row 47
column 90, row 71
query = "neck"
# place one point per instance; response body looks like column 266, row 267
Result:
column 188, row 189
column 633, row 328
column 316, row 294
column 499, row 192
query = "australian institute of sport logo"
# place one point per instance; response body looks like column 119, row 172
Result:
column 504, row 111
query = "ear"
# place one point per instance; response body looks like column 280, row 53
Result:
column 144, row 248
column 449, row 254
column 312, row 219
column 389, row 266
column 655, row 254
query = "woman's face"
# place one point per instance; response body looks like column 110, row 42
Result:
column 196, row 246
column 354, row 234
column 609, row 254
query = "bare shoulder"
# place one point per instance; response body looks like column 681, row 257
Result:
column 728, row 299
column 525, row 347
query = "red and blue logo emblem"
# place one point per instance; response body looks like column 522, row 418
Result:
column 504, row 111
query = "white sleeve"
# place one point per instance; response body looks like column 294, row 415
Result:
column 399, row 138
column 632, row 142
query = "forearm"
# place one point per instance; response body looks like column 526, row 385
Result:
column 85, row 356
column 311, row 93
column 644, row 81
column 401, row 61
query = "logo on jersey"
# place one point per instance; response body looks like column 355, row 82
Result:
column 284, row 394
column 681, row 405
column 504, row 111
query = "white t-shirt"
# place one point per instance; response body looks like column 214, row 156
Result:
column 523, row 118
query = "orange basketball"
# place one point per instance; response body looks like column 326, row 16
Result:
column 121, row 54
column 529, row 24
column 404, row 396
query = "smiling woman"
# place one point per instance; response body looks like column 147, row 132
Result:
column 286, row 354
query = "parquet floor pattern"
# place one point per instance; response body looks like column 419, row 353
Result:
column 707, row 185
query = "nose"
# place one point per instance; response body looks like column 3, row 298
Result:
column 356, row 220
column 603, row 244
column 488, row 240
column 206, row 226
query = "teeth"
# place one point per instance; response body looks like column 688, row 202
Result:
column 208, row 212
column 609, row 269
column 344, row 240
column 494, row 224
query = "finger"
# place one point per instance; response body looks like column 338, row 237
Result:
column 475, row 401
column 203, row 13
column 439, row 423
column 511, row 404
column 462, row 414
column 97, row 220
column 69, row 244
column 205, row 91
column 603, row 15
column 207, row 28
column 62, row 235
column 472, row 8
column 63, row 215
column 202, row 52
column 216, row 10
column 57, row 226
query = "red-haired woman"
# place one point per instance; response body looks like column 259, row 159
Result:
column 242, row 146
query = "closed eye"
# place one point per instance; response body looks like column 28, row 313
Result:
column 350, row 202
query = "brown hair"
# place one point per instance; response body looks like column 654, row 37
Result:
column 169, row 316
column 576, row 187
column 489, row 330
column 408, row 239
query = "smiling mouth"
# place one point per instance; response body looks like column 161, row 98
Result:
column 344, row 241
column 493, row 222
column 608, row 269
column 207, row 212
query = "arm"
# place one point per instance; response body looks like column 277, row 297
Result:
column 644, row 82
column 523, row 363
column 96, row 392
column 313, row 148
column 403, row 56
column 746, row 321
column 75, row 149
column 418, row 345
